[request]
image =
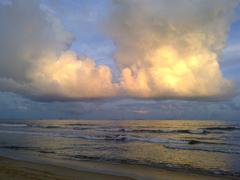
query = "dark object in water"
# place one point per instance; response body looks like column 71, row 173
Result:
column 228, row 128
column 122, row 130
column 192, row 142
column 46, row 152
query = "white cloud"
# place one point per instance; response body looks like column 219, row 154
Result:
column 72, row 77
column 170, row 49
column 165, row 49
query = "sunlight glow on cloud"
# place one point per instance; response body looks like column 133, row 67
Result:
column 164, row 49
column 71, row 77
column 170, row 49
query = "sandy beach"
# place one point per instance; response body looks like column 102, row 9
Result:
column 22, row 170
column 120, row 90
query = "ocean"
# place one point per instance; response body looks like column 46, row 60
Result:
column 186, row 145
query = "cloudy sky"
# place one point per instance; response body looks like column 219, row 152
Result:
column 119, row 59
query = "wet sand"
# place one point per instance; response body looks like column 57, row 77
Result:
column 22, row 170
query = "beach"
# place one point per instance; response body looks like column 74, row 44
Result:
column 15, row 169
column 22, row 170
column 119, row 89
column 152, row 150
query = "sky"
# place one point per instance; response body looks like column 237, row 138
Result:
column 119, row 59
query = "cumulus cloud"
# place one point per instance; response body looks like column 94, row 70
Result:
column 34, row 60
column 26, row 34
column 171, row 48
column 164, row 49
column 72, row 77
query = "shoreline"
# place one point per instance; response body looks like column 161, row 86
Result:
column 23, row 170
column 11, row 169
